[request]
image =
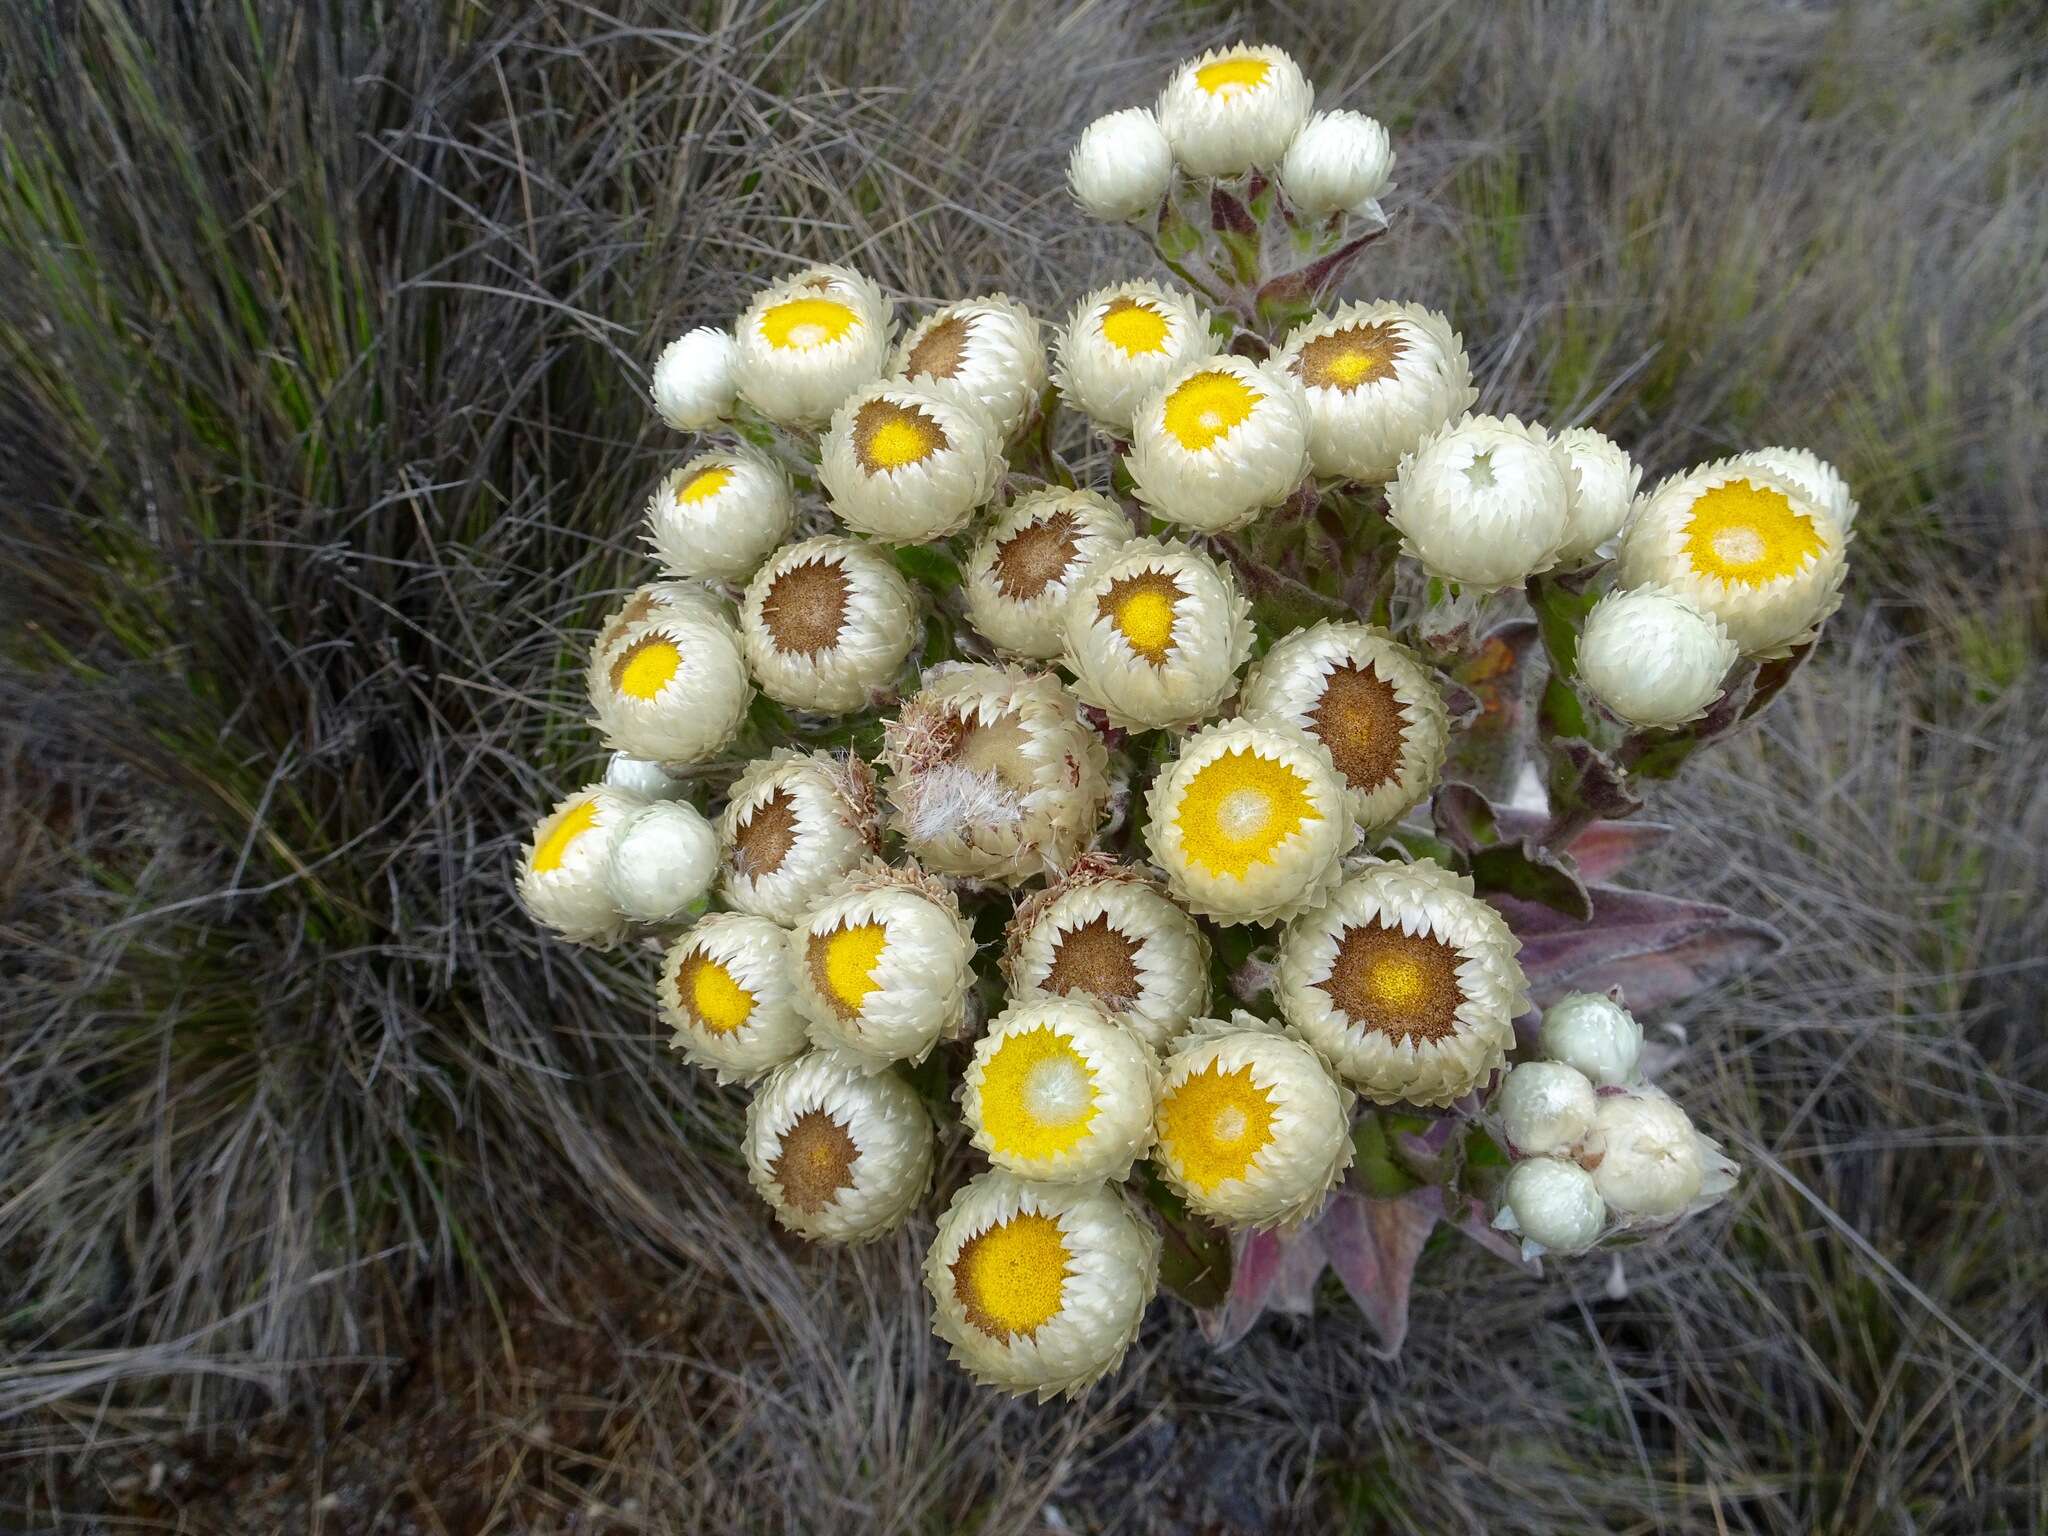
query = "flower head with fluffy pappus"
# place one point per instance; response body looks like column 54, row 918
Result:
column 841, row 1153
column 1747, row 544
column 662, row 863
column 1027, row 562
column 1039, row 1287
column 905, row 465
column 828, row 624
column 1234, row 108
column 1406, row 981
column 1250, row 822
column 1059, row 1092
column 1253, row 1130
column 720, row 514
column 1813, row 474
column 807, row 342
column 794, row 827
column 1122, row 343
column 1121, row 166
column 1218, row 442
column 696, row 379
column 727, row 992
column 1484, row 501
column 993, row 774
column 561, row 874
column 984, row 353
column 1340, row 162
column 1372, row 702
column 672, row 687
column 1654, row 658
column 1376, row 379
column 1608, row 480
column 1108, row 933
column 884, row 967
column 1155, row 635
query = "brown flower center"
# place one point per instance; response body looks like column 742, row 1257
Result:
column 805, row 608
column 764, row 836
column 636, row 608
column 940, row 351
column 889, row 436
column 1358, row 354
column 1036, row 556
column 815, row 1161
column 1404, row 985
column 1097, row 959
column 1359, row 719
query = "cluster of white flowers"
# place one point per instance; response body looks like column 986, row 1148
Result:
column 1075, row 744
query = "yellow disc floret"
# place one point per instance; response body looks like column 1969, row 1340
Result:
column 1203, row 409
column 843, row 964
column 1012, row 1278
column 703, row 485
column 1748, row 535
column 1214, row 1124
column 799, row 324
column 717, row 1002
column 1133, row 328
column 1227, row 77
column 1037, row 1095
column 567, row 827
column 647, row 668
column 1239, row 809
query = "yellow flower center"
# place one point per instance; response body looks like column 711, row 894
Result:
column 718, row 1004
column 1749, row 535
column 1345, row 359
column 1012, row 1279
column 1202, row 410
column 1214, row 1124
column 796, row 325
column 647, row 668
column 1237, row 811
column 564, row 830
column 704, row 485
column 1037, row 1095
column 888, row 436
column 1134, row 328
column 1142, row 608
column 1229, row 77
column 843, row 964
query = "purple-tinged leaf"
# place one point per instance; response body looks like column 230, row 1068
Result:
column 1475, row 1224
column 1272, row 1272
column 1601, row 851
column 1305, row 285
column 1531, row 872
column 1373, row 1246
column 1658, row 949
column 1583, row 778
column 1464, row 817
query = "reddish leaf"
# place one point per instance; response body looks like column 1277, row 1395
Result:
column 1657, row 949
column 1273, row 1272
column 1602, row 851
column 1373, row 1246
column 1477, row 1225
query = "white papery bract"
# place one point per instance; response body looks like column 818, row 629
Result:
column 691, row 600
column 726, row 991
column 883, row 969
column 842, row 1154
column 1253, row 1131
column 827, row 624
column 1554, row 1205
column 1750, row 545
column 1122, row 343
column 985, row 353
column 672, row 688
column 561, row 874
column 719, row 515
column 1027, row 562
column 1121, row 165
column 1155, row 635
column 1645, row 1155
column 1219, row 442
column 904, row 465
column 1340, row 162
column 993, row 773
column 794, row 826
column 807, row 342
column 1371, row 702
column 662, row 863
column 1608, row 479
column 1059, row 1092
column 1545, row 1106
column 1654, row 658
column 1234, row 108
column 1250, row 822
column 1484, row 501
column 1039, row 1287
column 1107, row 933
column 640, row 778
column 1813, row 474
column 1376, row 379
column 696, row 379
column 1406, row 981
column 1594, row 1034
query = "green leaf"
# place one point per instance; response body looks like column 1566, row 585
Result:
column 1375, row 1169
column 1532, row 873
column 1194, row 1263
column 931, row 564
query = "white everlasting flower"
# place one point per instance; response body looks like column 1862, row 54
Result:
column 1028, row 561
column 810, row 340
column 1106, row 933
column 1752, row 546
column 640, row 778
column 842, row 1154
column 1253, row 1130
column 828, row 624
column 1060, row 1093
column 1553, row 1205
column 1653, row 657
column 883, row 969
column 1545, row 1106
column 1219, row 442
column 1821, row 481
column 1645, row 1155
column 672, row 688
column 662, row 862
column 986, row 353
column 727, row 992
column 795, row 826
column 1373, row 703
column 1377, row 379
column 993, row 773
column 664, row 600
column 1406, row 981
column 1249, row 822
column 1039, row 1287
column 1121, row 166
column 561, row 876
column 1484, row 501
column 1155, row 635
column 903, row 465
column 1608, row 480
column 1340, row 162
column 1122, row 343
column 696, row 379
column 719, row 515
column 1595, row 1034
column 1234, row 108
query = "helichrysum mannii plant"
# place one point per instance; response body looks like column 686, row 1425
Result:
column 1175, row 757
